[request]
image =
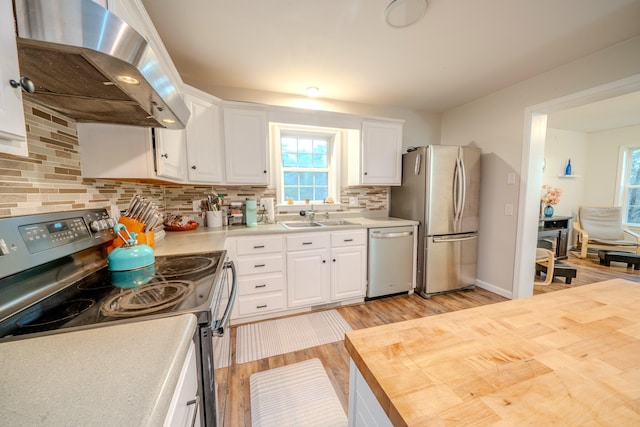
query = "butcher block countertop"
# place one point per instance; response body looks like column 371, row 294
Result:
column 570, row 357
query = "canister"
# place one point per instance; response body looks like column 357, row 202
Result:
column 251, row 212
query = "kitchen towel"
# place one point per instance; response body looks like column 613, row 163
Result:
column 270, row 338
column 300, row 394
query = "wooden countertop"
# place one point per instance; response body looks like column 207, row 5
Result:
column 570, row 357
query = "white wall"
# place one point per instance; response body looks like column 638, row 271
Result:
column 497, row 124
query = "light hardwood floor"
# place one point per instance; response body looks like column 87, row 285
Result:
column 335, row 359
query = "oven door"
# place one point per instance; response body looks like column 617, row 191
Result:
column 221, row 342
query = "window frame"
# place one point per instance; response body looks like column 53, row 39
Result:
column 333, row 137
column 624, row 175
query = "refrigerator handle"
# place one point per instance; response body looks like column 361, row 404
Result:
column 416, row 168
column 463, row 186
column 457, row 192
column 457, row 238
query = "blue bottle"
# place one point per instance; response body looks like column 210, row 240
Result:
column 567, row 170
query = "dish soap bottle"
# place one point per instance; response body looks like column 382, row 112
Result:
column 567, row 170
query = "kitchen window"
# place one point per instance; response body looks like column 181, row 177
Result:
column 306, row 163
column 629, row 194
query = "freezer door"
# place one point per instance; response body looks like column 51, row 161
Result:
column 441, row 191
column 450, row 263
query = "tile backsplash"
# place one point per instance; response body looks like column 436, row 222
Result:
column 50, row 179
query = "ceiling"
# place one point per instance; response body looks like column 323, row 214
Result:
column 460, row 50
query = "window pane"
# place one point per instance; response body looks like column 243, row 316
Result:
column 633, row 206
column 289, row 145
column 291, row 178
column 305, row 145
column 321, row 193
column 305, row 161
column 290, row 193
column 319, row 146
column 321, row 178
column 306, row 193
column 289, row 160
column 319, row 161
column 306, row 178
column 634, row 178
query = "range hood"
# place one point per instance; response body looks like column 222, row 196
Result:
column 81, row 57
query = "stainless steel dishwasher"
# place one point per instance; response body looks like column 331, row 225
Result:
column 390, row 260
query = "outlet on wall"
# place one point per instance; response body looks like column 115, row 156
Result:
column 196, row 205
column 353, row 202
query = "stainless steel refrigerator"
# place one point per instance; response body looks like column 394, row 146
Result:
column 441, row 188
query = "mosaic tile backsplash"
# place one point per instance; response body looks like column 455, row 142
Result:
column 50, row 179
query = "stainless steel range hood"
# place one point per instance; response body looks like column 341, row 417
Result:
column 79, row 56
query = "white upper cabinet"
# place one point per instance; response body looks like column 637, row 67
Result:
column 13, row 134
column 377, row 159
column 246, row 146
column 171, row 154
column 205, row 161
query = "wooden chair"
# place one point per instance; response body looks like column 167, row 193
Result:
column 602, row 228
column 547, row 258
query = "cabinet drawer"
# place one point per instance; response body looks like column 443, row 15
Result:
column 257, row 304
column 299, row 242
column 259, row 245
column 260, row 264
column 260, row 284
column 348, row 238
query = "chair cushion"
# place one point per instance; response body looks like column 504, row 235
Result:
column 602, row 223
column 613, row 242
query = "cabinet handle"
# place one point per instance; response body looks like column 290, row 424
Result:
column 261, row 286
column 366, row 173
column 334, row 260
column 348, row 240
column 324, row 261
column 258, row 247
column 264, row 171
column 258, row 265
column 165, row 155
column 307, row 243
column 193, row 167
column 261, row 306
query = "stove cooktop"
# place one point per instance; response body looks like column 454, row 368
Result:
column 182, row 283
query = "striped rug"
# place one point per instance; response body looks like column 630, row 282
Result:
column 300, row 394
column 272, row 337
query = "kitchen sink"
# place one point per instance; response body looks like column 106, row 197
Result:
column 307, row 224
column 337, row 222
column 301, row 224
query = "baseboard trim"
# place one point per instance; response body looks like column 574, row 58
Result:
column 495, row 289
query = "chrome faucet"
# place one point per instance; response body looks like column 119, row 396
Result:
column 311, row 214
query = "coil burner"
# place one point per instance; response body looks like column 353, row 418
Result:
column 147, row 299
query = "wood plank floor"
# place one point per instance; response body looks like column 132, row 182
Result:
column 335, row 359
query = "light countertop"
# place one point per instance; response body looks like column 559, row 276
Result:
column 570, row 357
column 113, row 375
column 204, row 239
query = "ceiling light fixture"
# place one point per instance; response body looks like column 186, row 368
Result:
column 402, row 13
column 312, row 91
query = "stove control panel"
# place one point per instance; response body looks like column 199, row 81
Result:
column 47, row 235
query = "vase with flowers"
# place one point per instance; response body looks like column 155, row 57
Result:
column 550, row 197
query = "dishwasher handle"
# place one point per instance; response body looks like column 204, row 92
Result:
column 378, row 235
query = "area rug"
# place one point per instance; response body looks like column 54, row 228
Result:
column 272, row 337
column 300, row 394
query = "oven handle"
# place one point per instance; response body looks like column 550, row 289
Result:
column 219, row 330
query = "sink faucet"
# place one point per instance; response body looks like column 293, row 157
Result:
column 311, row 214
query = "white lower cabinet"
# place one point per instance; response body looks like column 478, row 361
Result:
column 348, row 264
column 184, row 409
column 364, row 409
column 260, row 267
column 308, row 269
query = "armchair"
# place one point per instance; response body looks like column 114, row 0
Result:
column 601, row 228
column 546, row 258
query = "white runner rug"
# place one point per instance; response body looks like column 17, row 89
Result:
column 270, row 338
column 300, row 394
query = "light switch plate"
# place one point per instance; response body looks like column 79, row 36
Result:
column 353, row 202
column 196, row 205
column 508, row 209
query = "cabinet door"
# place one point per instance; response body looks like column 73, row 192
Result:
column 246, row 146
column 307, row 277
column 348, row 272
column 204, row 141
column 171, row 154
column 381, row 153
column 13, row 134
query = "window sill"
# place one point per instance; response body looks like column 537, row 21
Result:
column 320, row 207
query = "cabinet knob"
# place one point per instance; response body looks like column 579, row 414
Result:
column 324, row 261
column 165, row 155
column 193, row 167
column 334, row 260
column 264, row 171
column 366, row 173
column 25, row 82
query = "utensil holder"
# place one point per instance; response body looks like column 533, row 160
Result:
column 214, row 219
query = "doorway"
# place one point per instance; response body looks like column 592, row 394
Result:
column 531, row 171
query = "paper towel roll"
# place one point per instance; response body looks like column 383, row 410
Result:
column 269, row 206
